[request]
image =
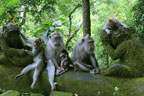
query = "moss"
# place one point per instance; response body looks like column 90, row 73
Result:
column 119, row 70
column 7, row 81
column 57, row 93
column 130, row 52
column 11, row 47
column 36, row 94
column 80, row 83
column 17, row 93
column 10, row 93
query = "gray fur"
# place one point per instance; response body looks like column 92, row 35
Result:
column 52, row 55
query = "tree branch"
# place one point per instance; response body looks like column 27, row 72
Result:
column 73, row 34
column 23, row 18
column 77, row 6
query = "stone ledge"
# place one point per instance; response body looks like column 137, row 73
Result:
column 81, row 83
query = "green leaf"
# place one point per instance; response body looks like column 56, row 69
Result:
column 47, row 22
column 10, row 3
column 1, row 10
column 39, row 31
column 45, row 38
column 44, row 25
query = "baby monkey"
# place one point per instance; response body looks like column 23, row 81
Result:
column 65, row 62
column 38, row 58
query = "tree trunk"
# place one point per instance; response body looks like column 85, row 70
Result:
column 86, row 17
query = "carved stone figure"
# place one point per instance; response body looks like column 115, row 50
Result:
column 123, row 47
column 12, row 47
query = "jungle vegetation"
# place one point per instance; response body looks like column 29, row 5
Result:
column 38, row 18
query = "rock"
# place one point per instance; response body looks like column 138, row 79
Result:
column 17, row 93
column 80, row 83
column 58, row 93
column 36, row 94
column 10, row 93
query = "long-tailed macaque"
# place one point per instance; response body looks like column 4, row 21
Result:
column 54, row 46
column 38, row 58
column 83, row 56
column 65, row 62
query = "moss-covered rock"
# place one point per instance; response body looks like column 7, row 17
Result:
column 10, row 93
column 17, row 93
column 80, row 83
column 35, row 94
column 58, row 93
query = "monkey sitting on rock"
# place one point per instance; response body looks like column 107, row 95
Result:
column 65, row 62
column 83, row 56
column 55, row 44
column 38, row 58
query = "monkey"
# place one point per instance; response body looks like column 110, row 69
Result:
column 38, row 58
column 54, row 46
column 65, row 62
column 83, row 56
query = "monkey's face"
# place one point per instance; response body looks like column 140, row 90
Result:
column 37, row 42
column 57, row 40
column 88, row 44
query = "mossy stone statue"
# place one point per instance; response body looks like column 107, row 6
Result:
column 123, row 47
column 11, row 47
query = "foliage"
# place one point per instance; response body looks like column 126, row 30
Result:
column 138, row 26
column 13, row 9
column 116, row 91
column 8, row 10
column 42, row 13
column 48, row 27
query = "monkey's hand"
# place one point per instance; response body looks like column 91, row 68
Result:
column 95, row 71
column 60, row 68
